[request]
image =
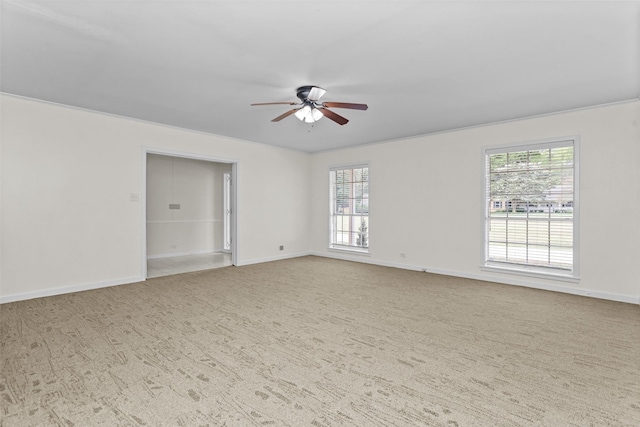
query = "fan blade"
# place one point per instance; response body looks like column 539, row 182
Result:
column 316, row 93
column 276, row 103
column 333, row 116
column 285, row 115
column 346, row 105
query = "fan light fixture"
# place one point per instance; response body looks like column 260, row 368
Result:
column 309, row 114
column 312, row 109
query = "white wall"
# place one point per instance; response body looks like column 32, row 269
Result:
column 197, row 186
column 67, row 222
column 427, row 199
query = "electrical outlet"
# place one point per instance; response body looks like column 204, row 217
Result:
column 134, row 197
column 403, row 255
column 282, row 247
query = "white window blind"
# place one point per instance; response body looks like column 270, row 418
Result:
column 530, row 206
column 349, row 207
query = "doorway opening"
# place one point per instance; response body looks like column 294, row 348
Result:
column 189, row 218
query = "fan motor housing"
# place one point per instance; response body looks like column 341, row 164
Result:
column 303, row 92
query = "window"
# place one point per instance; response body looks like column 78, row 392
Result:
column 530, row 205
column 349, row 215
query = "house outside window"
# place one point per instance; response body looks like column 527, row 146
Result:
column 531, row 217
column 349, row 208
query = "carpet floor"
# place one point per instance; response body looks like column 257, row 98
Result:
column 319, row 342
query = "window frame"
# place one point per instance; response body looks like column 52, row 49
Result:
column 332, row 199
column 545, row 272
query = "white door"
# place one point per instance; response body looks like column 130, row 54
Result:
column 227, row 211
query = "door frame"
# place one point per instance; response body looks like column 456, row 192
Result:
column 195, row 156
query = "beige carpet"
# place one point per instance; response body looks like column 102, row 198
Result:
column 319, row 342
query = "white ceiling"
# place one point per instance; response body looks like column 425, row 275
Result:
column 421, row 66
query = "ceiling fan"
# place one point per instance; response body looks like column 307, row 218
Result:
column 312, row 109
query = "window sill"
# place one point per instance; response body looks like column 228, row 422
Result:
column 348, row 250
column 531, row 272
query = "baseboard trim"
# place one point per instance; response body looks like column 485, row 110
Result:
column 273, row 258
column 365, row 260
column 489, row 278
column 68, row 289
